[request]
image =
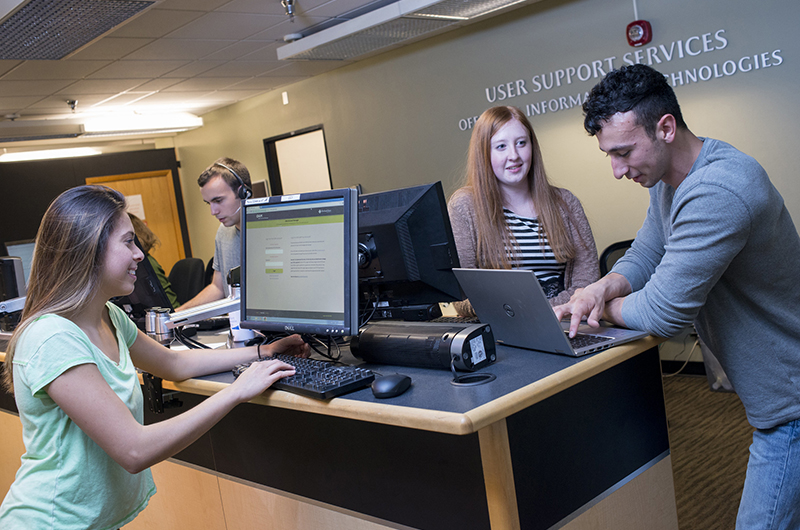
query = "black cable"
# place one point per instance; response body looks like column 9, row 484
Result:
column 328, row 355
column 190, row 343
column 364, row 322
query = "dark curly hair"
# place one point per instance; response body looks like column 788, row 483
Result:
column 639, row 88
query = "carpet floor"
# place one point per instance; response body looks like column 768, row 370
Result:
column 709, row 440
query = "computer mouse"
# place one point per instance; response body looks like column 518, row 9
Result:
column 386, row 386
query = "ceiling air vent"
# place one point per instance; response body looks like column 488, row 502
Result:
column 401, row 22
column 52, row 29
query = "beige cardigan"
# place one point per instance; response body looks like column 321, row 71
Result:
column 580, row 271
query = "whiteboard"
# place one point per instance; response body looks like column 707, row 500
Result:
column 303, row 163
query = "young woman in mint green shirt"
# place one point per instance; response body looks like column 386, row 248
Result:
column 71, row 364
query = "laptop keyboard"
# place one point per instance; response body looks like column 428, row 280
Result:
column 581, row 340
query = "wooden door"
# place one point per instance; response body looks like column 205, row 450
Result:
column 153, row 198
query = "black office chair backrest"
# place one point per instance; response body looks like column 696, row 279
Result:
column 612, row 253
column 209, row 277
column 187, row 277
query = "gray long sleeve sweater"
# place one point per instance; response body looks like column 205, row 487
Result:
column 722, row 251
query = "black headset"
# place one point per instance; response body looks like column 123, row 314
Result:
column 243, row 191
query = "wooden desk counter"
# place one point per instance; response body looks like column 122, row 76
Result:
column 449, row 413
column 553, row 442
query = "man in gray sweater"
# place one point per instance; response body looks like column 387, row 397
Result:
column 718, row 249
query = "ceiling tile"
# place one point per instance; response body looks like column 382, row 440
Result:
column 200, row 5
column 336, row 8
column 235, row 51
column 5, row 66
column 193, row 69
column 121, row 100
column 155, row 85
column 100, row 86
column 230, row 26
column 109, row 48
column 240, row 69
column 205, row 83
column 58, row 103
column 171, row 49
column 266, row 83
column 266, row 53
column 230, row 95
column 136, row 69
column 188, row 101
column 255, row 6
column 33, row 70
column 32, row 88
column 155, row 23
column 12, row 104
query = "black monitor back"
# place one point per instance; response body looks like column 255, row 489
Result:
column 406, row 247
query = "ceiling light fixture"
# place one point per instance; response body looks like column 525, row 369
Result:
column 396, row 23
column 106, row 125
column 135, row 123
column 48, row 154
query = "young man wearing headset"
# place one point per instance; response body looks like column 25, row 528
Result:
column 223, row 185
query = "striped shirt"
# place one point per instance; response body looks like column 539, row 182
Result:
column 534, row 253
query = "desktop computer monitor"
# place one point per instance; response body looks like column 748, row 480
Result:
column 406, row 253
column 12, row 286
column 147, row 293
column 299, row 268
column 12, row 280
column 23, row 250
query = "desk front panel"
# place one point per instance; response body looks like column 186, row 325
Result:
column 567, row 451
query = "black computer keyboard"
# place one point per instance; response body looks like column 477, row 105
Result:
column 318, row 379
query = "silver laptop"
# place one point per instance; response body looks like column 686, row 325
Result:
column 513, row 303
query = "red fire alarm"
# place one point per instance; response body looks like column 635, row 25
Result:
column 639, row 33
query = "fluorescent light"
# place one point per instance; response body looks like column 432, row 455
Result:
column 132, row 122
column 47, row 154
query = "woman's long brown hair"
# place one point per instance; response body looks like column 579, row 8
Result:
column 494, row 237
column 68, row 257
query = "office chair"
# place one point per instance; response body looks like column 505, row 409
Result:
column 209, row 275
column 187, row 277
column 612, row 253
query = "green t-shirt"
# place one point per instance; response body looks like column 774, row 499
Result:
column 65, row 480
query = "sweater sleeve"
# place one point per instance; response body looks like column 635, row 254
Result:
column 460, row 209
column 708, row 227
column 584, row 268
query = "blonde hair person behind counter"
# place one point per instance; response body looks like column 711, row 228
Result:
column 223, row 185
column 149, row 240
column 71, row 364
column 509, row 215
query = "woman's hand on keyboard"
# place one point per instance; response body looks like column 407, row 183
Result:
column 258, row 377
